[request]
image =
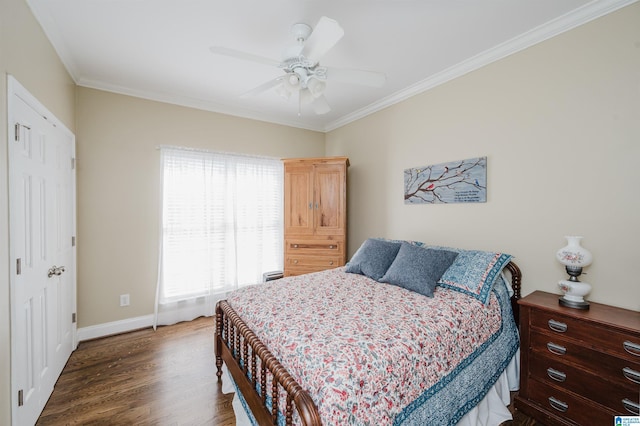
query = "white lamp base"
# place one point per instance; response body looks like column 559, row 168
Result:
column 574, row 292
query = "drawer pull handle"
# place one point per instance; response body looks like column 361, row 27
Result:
column 632, row 375
column 632, row 348
column 331, row 262
column 332, row 247
column 558, row 326
column 556, row 404
column 556, row 375
column 631, row 407
column 295, row 246
column 556, row 349
column 295, row 262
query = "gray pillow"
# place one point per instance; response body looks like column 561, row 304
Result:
column 373, row 258
column 418, row 269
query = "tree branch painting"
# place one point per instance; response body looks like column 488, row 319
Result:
column 462, row 181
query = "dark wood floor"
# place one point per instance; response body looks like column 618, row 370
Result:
column 166, row 377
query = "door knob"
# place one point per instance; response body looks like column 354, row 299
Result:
column 55, row 270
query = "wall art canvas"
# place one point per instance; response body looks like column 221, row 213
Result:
column 462, row 181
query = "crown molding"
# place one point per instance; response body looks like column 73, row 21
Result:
column 569, row 21
column 201, row 104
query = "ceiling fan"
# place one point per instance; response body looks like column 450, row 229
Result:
column 303, row 76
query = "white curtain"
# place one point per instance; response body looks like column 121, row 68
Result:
column 221, row 228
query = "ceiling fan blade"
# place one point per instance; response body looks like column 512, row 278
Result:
column 365, row 78
column 320, row 105
column 263, row 87
column 225, row 51
column 324, row 36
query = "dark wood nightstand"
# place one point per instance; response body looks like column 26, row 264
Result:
column 578, row 367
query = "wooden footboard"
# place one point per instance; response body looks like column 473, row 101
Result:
column 240, row 349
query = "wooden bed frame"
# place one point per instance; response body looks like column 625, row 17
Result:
column 233, row 336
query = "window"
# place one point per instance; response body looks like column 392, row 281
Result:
column 222, row 224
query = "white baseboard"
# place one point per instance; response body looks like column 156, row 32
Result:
column 115, row 327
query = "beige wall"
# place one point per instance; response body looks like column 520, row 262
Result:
column 118, row 190
column 560, row 125
column 26, row 54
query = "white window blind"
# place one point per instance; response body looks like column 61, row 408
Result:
column 222, row 222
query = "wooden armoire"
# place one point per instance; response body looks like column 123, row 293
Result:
column 315, row 214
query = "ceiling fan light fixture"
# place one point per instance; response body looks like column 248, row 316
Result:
column 293, row 80
column 316, row 87
column 306, row 97
column 291, row 84
column 284, row 91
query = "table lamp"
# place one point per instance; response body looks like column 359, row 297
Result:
column 574, row 257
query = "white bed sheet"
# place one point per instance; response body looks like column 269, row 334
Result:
column 491, row 411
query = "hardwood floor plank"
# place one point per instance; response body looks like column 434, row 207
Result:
column 166, row 377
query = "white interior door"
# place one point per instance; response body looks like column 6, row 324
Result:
column 42, row 245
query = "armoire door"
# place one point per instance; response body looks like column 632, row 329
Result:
column 298, row 200
column 329, row 199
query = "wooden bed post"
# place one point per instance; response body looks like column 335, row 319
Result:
column 516, row 285
column 229, row 350
column 218, row 341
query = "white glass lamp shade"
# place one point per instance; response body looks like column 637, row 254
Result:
column 316, row 87
column 574, row 257
column 573, row 254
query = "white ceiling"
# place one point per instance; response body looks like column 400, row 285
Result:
column 159, row 49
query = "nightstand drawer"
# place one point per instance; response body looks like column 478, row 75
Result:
column 569, row 406
column 589, row 384
column 609, row 367
column 616, row 342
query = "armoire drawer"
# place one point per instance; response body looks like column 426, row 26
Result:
column 322, row 262
column 317, row 247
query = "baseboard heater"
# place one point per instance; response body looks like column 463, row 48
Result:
column 270, row 276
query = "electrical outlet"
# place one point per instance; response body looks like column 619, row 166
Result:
column 124, row 300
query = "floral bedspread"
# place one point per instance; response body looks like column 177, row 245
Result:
column 376, row 354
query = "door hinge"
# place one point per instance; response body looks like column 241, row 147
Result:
column 17, row 128
column 73, row 318
column 18, row 266
column 73, row 164
column 20, row 398
column 73, row 241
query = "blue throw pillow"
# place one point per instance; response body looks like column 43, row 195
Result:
column 474, row 273
column 418, row 269
column 373, row 258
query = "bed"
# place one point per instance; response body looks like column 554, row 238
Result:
column 368, row 344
